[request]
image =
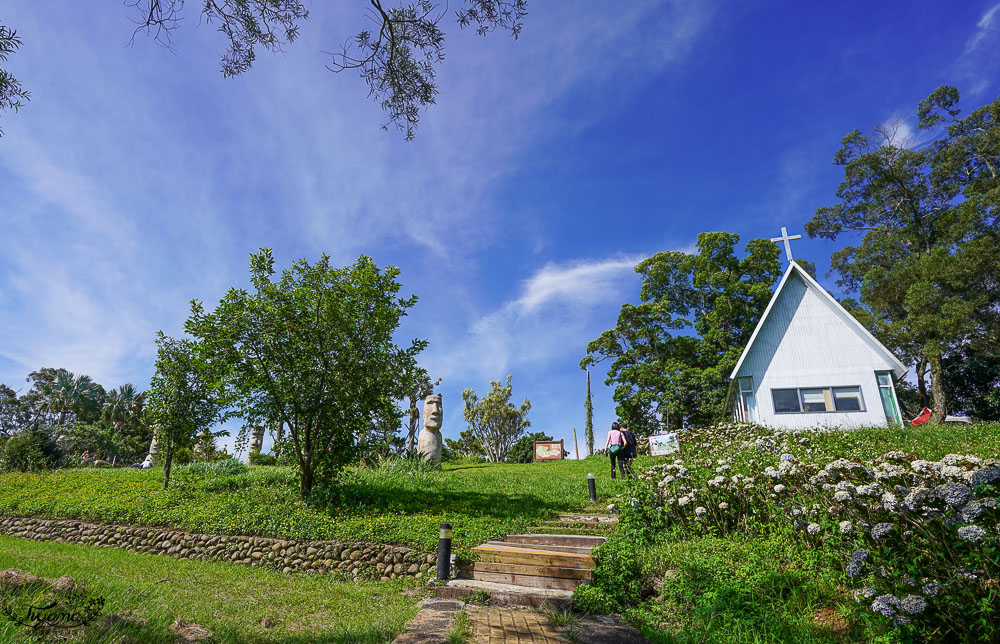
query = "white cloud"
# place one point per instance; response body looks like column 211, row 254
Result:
column 984, row 27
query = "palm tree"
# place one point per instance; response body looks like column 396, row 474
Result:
column 71, row 394
column 122, row 405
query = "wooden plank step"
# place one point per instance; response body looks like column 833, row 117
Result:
column 556, row 539
column 562, row 528
column 466, row 570
column 580, row 550
column 528, row 581
column 592, row 527
column 526, row 555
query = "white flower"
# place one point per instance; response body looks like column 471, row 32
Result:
column 842, row 496
column 723, row 506
column 700, row 511
column 845, row 527
column 971, row 533
column 779, row 488
column 813, row 528
column 684, row 500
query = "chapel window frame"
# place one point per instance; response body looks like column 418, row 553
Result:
column 828, row 389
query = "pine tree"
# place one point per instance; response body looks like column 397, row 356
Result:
column 589, row 406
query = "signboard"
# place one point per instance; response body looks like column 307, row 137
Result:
column 663, row 444
column 548, row 450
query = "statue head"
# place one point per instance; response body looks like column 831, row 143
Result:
column 433, row 413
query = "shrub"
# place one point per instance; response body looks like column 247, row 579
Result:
column 263, row 459
column 30, row 450
column 592, row 600
column 918, row 538
column 223, row 467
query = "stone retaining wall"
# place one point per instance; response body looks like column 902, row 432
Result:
column 358, row 560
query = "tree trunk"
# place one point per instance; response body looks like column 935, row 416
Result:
column 921, row 371
column 306, row 484
column 937, row 387
column 411, row 437
column 166, row 465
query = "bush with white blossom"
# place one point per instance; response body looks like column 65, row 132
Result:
column 917, row 538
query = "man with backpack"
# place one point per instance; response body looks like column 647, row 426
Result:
column 629, row 452
column 615, row 447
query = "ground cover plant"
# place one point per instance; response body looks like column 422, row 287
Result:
column 898, row 540
column 148, row 598
column 395, row 502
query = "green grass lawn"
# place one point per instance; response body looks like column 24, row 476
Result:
column 402, row 506
column 149, row 592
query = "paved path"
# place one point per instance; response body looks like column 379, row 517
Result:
column 491, row 625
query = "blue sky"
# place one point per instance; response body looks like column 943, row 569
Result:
column 137, row 179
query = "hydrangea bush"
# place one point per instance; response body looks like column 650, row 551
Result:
column 917, row 539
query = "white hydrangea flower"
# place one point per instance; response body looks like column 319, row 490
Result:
column 813, row 528
column 842, row 496
column 779, row 488
column 700, row 511
column 684, row 500
column 846, row 527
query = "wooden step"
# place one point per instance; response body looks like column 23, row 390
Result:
column 564, row 529
column 528, row 581
column 556, row 539
column 466, row 570
column 588, row 528
column 526, row 555
column 580, row 550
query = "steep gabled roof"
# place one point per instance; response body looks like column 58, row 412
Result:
column 898, row 368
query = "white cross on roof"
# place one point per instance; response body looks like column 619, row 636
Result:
column 785, row 237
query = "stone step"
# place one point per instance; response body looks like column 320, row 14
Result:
column 511, row 553
column 563, row 529
column 579, row 550
column 507, row 594
column 587, row 518
column 467, row 570
column 556, row 539
column 579, row 527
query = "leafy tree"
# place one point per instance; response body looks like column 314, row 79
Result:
column 313, row 350
column 589, row 428
column 183, row 397
column 673, row 352
column 11, row 92
column 30, row 449
column 69, row 397
column 494, row 421
column 972, row 379
column 397, row 60
column 466, row 445
column 523, row 450
column 925, row 265
column 14, row 413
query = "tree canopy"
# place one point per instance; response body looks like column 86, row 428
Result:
column 398, row 59
column 494, row 422
column 928, row 219
column 314, row 351
column 672, row 353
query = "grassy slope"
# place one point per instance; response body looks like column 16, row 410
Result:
column 151, row 591
column 406, row 507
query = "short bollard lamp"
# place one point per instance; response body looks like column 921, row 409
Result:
column 592, row 485
column 444, row 552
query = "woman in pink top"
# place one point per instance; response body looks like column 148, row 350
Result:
column 615, row 437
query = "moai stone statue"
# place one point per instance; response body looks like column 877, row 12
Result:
column 256, row 441
column 154, row 449
column 429, row 440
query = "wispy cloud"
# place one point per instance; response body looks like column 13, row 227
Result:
column 984, row 27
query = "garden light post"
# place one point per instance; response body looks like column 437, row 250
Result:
column 592, row 485
column 444, row 552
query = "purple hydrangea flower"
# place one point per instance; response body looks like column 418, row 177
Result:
column 879, row 530
column 885, row 605
column 971, row 533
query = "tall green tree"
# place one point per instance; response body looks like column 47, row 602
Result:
column 925, row 265
column 672, row 353
column 493, row 420
column 183, row 399
column 314, row 350
column 589, row 427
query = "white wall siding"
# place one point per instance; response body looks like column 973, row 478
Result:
column 805, row 343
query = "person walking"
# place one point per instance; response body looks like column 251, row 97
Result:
column 614, row 446
column 629, row 452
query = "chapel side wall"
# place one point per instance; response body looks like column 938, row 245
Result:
column 804, row 344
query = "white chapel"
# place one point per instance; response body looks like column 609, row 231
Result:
column 810, row 364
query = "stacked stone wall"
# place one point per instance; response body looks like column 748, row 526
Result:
column 357, row 560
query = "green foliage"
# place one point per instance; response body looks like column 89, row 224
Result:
column 672, row 353
column 182, row 399
column 972, row 380
column 263, row 459
column 494, row 422
column 522, row 451
column 11, row 92
column 925, row 267
column 589, row 428
column 224, row 467
column 313, row 350
column 31, row 449
column 592, row 600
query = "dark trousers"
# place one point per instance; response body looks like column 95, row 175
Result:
column 621, row 464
